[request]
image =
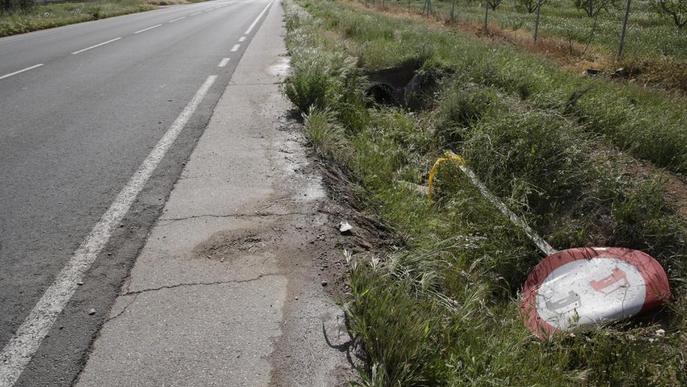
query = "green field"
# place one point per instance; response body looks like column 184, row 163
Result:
column 442, row 308
column 650, row 35
column 44, row 16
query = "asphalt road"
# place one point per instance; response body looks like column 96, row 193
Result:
column 81, row 107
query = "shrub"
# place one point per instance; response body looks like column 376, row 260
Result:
column 461, row 108
column 325, row 134
column 311, row 85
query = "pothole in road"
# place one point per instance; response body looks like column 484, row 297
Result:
column 226, row 246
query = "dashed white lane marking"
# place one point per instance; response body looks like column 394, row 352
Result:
column 195, row 13
column 177, row 19
column 21, row 71
column 23, row 345
column 235, row 48
column 147, row 29
column 96, row 45
column 257, row 18
column 241, row 39
column 223, row 62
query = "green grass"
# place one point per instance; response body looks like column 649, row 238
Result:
column 58, row 14
column 442, row 310
column 649, row 35
column 649, row 124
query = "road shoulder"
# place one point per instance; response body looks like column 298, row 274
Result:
column 228, row 289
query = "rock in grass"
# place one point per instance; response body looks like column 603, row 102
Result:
column 345, row 228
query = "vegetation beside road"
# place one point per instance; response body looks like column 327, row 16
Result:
column 443, row 308
column 653, row 52
column 652, row 33
column 26, row 18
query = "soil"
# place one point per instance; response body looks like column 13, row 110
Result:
column 675, row 184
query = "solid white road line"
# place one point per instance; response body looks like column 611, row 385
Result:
column 177, row 19
column 223, row 62
column 147, row 29
column 96, row 45
column 21, row 71
column 235, row 48
column 257, row 18
column 241, row 39
column 23, row 345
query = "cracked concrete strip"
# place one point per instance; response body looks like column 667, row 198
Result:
column 227, row 289
column 182, row 341
column 163, row 221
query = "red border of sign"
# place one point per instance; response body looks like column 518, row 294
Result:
column 657, row 287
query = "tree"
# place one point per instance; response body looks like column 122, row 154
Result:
column 593, row 8
column 621, row 46
column 428, row 7
column 533, row 6
column 676, row 9
column 493, row 4
column 530, row 5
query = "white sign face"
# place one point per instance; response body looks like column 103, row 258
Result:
column 590, row 291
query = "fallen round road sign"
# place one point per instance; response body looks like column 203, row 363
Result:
column 587, row 286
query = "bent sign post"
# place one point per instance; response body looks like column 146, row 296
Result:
column 579, row 286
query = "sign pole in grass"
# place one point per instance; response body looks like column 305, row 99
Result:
column 453, row 11
column 622, row 33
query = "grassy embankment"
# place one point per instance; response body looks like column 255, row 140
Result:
column 443, row 309
column 655, row 49
column 43, row 16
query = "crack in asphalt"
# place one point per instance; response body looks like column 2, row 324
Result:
column 254, row 215
column 256, row 84
column 136, row 293
column 189, row 284
column 121, row 312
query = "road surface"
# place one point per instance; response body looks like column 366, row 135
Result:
column 82, row 107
